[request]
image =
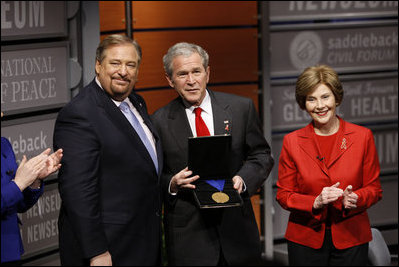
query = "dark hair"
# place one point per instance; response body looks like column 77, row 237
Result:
column 116, row 39
column 311, row 77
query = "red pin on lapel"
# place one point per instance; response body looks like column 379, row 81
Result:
column 343, row 145
column 226, row 128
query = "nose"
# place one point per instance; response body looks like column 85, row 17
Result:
column 319, row 104
column 122, row 70
column 190, row 78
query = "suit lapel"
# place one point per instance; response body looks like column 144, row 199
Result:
column 307, row 142
column 179, row 125
column 104, row 101
column 342, row 144
column 121, row 122
column 222, row 119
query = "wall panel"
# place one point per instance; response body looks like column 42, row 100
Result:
column 157, row 98
column 112, row 15
column 170, row 14
column 245, row 90
column 233, row 54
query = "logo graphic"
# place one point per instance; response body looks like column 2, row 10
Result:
column 306, row 50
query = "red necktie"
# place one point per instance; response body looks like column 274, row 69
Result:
column 200, row 125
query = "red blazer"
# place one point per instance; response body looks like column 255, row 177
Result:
column 302, row 176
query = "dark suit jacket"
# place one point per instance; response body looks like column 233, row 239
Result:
column 108, row 183
column 194, row 236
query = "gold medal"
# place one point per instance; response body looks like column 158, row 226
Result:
column 220, row 197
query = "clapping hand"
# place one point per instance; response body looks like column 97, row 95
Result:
column 52, row 163
column 28, row 170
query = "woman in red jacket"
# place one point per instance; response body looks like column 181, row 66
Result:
column 328, row 177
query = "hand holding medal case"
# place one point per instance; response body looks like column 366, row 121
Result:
column 209, row 157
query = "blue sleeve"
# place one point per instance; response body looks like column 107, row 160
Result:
column 30, row 198
column 12, row 199
column 11, row 196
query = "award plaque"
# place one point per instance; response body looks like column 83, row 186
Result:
column 209, row 157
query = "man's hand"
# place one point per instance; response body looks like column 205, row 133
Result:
column 181, row 180
column 101, row 260
column 238, row 183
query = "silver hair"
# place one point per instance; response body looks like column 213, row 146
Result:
column 183, row 49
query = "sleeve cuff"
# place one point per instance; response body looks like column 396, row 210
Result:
column 170, row 193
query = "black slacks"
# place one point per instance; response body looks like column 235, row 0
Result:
column 327, row 255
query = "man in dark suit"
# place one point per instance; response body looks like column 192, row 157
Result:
column 220, row 236
column 109, row 179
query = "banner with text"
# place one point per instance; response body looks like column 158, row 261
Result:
column 34, row 77
column 352, row 50
column 33, row 19
column 39, row 229
column 29, row 136
column 316, row 10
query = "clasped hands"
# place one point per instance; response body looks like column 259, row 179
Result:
column 183, row 180
column 31, row 172
column 332, row 193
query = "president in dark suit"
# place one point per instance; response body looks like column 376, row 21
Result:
column 221, row 236
column 109, row 179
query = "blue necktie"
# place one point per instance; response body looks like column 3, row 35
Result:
column 139, row 130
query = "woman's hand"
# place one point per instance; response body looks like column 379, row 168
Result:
column 349, row 198
column 328, row 194
column 29, row 170
column 52, row 164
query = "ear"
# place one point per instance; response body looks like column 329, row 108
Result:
column 170, row 81
column 98, row 66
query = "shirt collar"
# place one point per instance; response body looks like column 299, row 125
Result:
column 205, row 105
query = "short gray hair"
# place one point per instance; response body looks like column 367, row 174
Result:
column 183, row 49
column 116, row 39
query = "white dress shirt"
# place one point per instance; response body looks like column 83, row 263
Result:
column 206, row 114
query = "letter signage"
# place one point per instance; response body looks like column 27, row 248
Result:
column 34, row 77
column 33, row 19
column 313, row 10
column 352, row 50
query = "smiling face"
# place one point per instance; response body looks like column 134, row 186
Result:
column 321, row 106
column 189, row 78
column 118, row 70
